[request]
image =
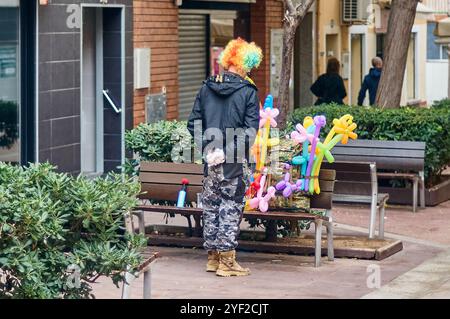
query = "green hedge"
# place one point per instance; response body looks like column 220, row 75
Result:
column 155, row 142
column 50, row 221
column 430, row 125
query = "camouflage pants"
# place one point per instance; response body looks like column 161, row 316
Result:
column 223, row 204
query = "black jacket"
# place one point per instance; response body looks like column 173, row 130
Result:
column 370, row 83
column 227, row 102
column 329, row 88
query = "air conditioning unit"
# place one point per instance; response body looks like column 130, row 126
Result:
column 356, row 11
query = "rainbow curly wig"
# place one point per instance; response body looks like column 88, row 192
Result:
column 242, row 55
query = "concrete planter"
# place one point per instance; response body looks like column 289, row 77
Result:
column 433, row 196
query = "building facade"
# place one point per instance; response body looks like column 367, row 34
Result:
column 75, row 75
column 185, row 38
column 67, row 81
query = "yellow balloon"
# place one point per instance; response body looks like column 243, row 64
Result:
column 308, row 121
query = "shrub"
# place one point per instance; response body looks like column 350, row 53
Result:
column 50, row 221
column 429, row 125
column 162, row 141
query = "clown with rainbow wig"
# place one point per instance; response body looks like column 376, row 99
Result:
column 226, row 103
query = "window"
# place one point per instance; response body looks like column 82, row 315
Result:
column 381, row 44
column 435, row 51
column 9, row 82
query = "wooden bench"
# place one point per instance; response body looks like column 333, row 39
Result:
column 162, row 181
column 396, row 159
column 357, row 183
column 144, row 268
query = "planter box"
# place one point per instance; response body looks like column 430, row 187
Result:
column 433, row 196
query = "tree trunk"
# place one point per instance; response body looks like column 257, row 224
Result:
column 401, row 21
column 294, row 15
column 286, row 69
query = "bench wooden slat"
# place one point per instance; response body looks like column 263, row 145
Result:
column 324, row 200
column 149, row 257
column 170, row 178
column 338, row 166
column 353, row 187
column 378, row 152
column 168, row 192
column 270, row 215
column 171, row 168
column 342, row 176
column 359, row 198
column 397, row 175
column 327, row 175
column 384, row 144
column 326, row 186
column 385, row 163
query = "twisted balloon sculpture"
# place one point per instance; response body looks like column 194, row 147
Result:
column 286, row 186
column 344, row 128
column 267, row 120
column 319, row 121
column 303, row 135
column 262, row 201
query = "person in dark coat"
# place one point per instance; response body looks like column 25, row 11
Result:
column 329, row 87
column 227, row 103
column 371, row 81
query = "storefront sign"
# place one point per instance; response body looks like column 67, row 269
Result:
column 276, row 53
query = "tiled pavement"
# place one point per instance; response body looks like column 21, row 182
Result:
column 431, row 279
column 179, row 273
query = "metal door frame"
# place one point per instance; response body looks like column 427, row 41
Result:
column 99, row 97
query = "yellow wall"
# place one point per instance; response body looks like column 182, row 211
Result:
column 328, row 22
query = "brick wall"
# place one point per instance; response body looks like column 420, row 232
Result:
column 264, row 16
column 156, row 27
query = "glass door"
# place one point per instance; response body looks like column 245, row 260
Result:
column 9, row 81
column 102, row 89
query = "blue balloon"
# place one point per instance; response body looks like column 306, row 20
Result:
column 269, row 102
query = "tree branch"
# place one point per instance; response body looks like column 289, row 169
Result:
column 303, row 7
column 290, row 6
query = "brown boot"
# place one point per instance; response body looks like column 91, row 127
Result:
column 213, row 261
column 229, row 267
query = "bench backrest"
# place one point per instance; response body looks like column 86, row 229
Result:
column 391, row 155
column 162, row 181
column 324, row 200
column 354, row 178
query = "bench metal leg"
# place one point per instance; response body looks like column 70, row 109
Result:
column 148, row 283
column 330, row 234
column 381, row 226
column 373, row 216
column 126, row 288
column 191, row 231
column 422, row 189
column 374, row 202
column 141, row 223
column 318, row 250
column 415, row 190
